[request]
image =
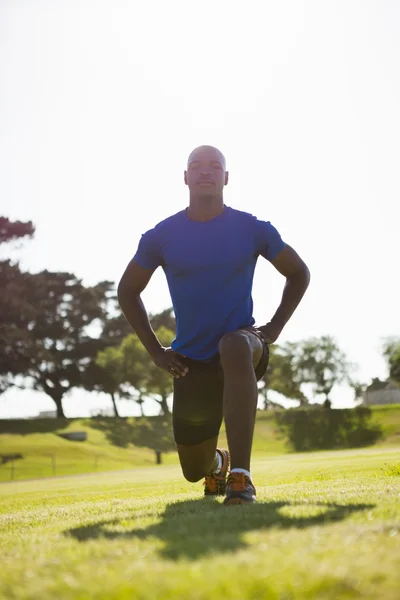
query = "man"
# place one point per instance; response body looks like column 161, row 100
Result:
column 208, row 253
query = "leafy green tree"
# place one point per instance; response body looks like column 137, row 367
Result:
column 282, row 374
column 106, row 374
column 391, row 352
column 164, row 319
column 158, row 383
column 149, row 432
column 116, row 328
column 136, row 362
column 15, row 309
column 321, row 363
column 142, row 373
column 285, row 377
column 127, row 370
column 14, row 230
column 318, row 362
column 57, row 346
column 358, row 389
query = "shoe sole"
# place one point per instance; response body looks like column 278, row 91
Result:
column 232, row 501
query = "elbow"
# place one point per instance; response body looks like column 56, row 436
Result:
column 125, row 293
column 305, row 276
column 301, row 276
column 121, row 290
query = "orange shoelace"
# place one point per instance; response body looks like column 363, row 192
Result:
column 238, row 482
column 211, row 482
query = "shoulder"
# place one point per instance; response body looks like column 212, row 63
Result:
column 243, row 220
column 254, row 223
column 163, row 227
column 170, row 221
column 241, row 215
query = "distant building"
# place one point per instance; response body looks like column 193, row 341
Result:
column 102, row 412
column 381, row 392
column 47, row 414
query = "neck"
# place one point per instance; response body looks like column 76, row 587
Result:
column 205, row 208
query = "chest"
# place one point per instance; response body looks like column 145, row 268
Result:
column 207, row 249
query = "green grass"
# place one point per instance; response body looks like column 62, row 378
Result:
column 108, row 445
column 388, row 416
column 44, row 451
column 326, row 527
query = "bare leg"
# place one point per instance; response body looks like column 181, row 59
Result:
column 198, row 460
column 240, row 352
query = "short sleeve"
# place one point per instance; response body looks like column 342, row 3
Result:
column 268, row 240
column 148, row 253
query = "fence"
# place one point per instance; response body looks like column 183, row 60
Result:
column 16, row 467
column 13, row 468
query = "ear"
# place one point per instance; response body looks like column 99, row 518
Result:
column 226, row 177
column 185, row 177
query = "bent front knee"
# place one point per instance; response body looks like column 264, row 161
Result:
column 234, row 348
column 193, row 475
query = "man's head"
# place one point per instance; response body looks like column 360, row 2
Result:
column 206, row 172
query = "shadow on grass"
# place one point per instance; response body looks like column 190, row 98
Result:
column 29, row 426
column 150, row 432
column 193, row 528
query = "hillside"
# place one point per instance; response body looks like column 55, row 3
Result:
column 109, row 443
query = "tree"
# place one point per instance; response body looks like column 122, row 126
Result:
column 106, row 374
column 136, row 361
column 358, row 389
column 14, row 305
column 13, row 230
column 321, row 363
column 127, row 370
column 16, row 313
column 318, row 362
column 142, row 373
column 164, row 319
column 117, row 328
column 56, row 347
column 391, row 352
column 282, row 374
column 159, row 383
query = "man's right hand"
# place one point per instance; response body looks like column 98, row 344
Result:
column 170, row 361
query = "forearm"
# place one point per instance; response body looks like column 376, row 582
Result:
column 293, row 292
column 136, row 315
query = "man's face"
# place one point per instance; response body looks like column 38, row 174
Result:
column 205, row 174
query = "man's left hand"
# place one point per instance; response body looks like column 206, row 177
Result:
column 270, row 332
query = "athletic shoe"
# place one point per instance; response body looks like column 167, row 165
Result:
column 215, row 483
column 239, row 489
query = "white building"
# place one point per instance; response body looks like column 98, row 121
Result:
column 388, row 395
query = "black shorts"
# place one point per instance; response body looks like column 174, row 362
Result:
column 197, row 405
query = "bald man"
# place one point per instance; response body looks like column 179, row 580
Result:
column 208, row 252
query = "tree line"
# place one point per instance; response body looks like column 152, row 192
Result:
column 57, row 334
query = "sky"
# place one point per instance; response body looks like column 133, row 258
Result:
column 101, row 103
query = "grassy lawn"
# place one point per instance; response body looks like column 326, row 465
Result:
column 108, row 447
column 327, row 526
column 113, row 444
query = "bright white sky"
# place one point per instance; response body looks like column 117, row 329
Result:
column 101, row 102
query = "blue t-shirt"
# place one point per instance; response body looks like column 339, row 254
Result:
column 209, row 267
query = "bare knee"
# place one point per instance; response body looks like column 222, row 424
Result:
column 234, row 350
column 196, row 460
column 192, row 475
